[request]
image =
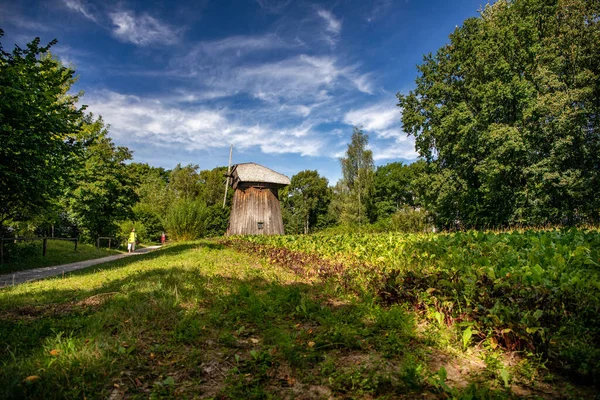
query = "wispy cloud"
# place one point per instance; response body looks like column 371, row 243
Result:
column 141, row 30
column 333, row 25
column 378, row 9
column 10, row 15
column 80, row 7
column 273, row 6
column 151, row 121
column 238, row 46
column 301, row 79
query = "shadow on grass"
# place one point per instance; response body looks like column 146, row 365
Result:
column 182, row 331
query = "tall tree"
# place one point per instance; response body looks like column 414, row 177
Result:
column 39, row 122
column 104, row 192
column 507, row 116
column 213, row 185
column 395, row 186
column 358, row 171
column 307, row 199
column 184, row 182
column 150, row 211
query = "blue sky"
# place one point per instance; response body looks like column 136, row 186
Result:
column 283, row 81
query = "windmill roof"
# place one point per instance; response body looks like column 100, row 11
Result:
column 252, row 172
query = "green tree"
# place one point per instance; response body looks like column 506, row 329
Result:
column 103, row 192
column 184, row 182
column 39, row 123
column 307, row 200
column 150, row 210
column 358, row 171
column 213, row 185
column 395, row 186
column 507, row 116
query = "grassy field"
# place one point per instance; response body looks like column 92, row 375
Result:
column 203, row 320
column 28, row 255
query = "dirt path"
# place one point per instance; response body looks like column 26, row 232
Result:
column 16, row 278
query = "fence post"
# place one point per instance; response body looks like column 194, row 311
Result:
column 1, row 250
column 44, row 245
column 98, row 243
column 76, row 240
column 109, row 239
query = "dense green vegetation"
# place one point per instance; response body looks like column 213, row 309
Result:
column 506, row 115
column 532, row 290
column 198, row 319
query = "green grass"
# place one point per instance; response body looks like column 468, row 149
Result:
column 28, row 255
column 201, row 320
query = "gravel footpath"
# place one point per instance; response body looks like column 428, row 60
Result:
column 16, row 278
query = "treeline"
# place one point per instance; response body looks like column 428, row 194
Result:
column 386, row 198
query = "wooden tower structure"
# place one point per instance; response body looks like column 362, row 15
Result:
column 256, row 209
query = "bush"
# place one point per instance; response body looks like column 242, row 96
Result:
column 409, row 219
column 186, row 219
column 217, row 219
column 151, row 222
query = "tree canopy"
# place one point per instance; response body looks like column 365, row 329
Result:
column 307, row 199
column 357, row 170
column 39, row 123
column 507, row 116
column 103, row 191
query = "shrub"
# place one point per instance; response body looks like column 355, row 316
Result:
column 186, row 219
column 409, row 219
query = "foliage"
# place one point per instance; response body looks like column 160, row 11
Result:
column 395, row 186
column 522, row 290
column 39, row 121
column 103, row 193
column 357, row 170
column 506, row 114
column 125, row 227
column 213, row 185
column 217, row 219
column 411, row 219
column 306, row 201
column 186, row 219
column 184, row 182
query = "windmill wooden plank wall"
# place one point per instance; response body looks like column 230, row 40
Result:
column 256, row 209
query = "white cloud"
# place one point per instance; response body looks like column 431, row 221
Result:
column 403, row 148
column 384, row 121
column 141, row 30
column 245, row 44
column 377, row 118
column 297, row 78
column 78, row 5
column 153, row 122
column 333, row 25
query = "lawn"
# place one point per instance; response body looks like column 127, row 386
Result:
column 28, row 255
column 203, row 320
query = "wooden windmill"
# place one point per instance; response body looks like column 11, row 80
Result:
column 256, row 209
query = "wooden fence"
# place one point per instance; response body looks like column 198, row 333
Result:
column 104, row 238
column 44, row 243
